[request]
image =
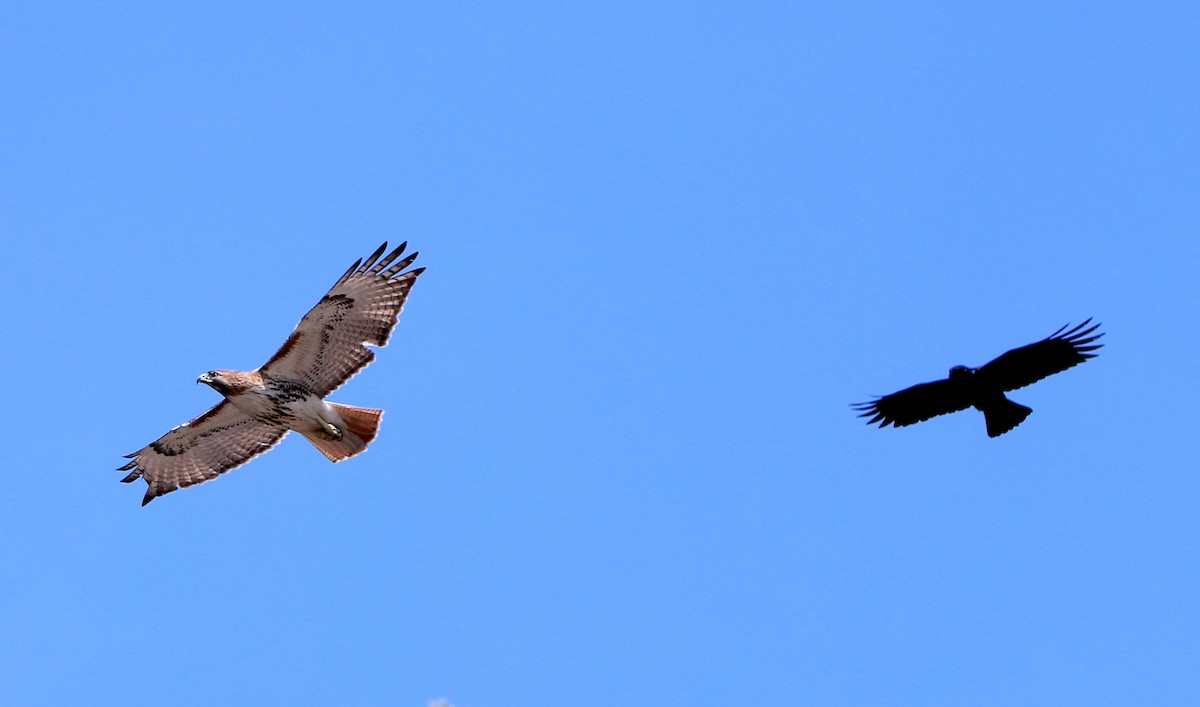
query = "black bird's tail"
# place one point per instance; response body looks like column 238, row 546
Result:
column 1003, row 416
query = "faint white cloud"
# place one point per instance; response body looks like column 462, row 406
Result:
column 440, row 702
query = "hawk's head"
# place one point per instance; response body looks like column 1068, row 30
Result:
column 226, row 382
column 215, row 381
column 229, row 383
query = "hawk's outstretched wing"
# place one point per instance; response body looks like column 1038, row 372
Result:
column 329, row 345
column 916, row 404
column 196, row 451
column 1054, row 354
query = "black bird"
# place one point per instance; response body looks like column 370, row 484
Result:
column 984, row 387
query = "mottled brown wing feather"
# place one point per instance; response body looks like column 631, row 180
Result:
column 915, row 404
column 210, row 445
column 329, row 345
column 1054, row 354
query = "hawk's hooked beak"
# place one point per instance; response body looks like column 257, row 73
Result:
column 206, row 379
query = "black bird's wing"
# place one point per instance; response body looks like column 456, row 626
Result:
column 1054, row 354
column 915, row 404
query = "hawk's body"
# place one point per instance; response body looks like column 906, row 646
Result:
column 288, row 393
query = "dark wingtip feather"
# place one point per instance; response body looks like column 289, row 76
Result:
column 1058, row 331
column 871, row 410
column 1080, row 338
column 387, row 260
column 349, row 272
column 366, row 265
column 1078, row 332
column 396, row 269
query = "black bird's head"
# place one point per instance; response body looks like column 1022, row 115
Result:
column 961, row 372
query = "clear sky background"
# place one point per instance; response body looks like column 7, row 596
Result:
column 667, row 244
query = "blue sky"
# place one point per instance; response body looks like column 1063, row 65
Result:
column 667, row 246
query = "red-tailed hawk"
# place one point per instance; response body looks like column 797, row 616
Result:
column 288, row 392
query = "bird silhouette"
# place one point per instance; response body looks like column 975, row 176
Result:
column 983, row 388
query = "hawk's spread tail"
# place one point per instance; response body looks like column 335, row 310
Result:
column 1003, row 417
column 359, row 429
